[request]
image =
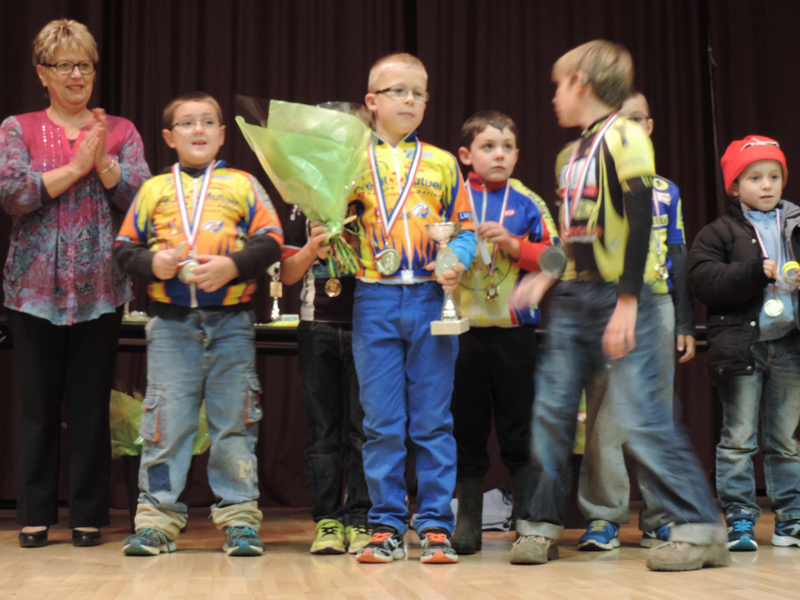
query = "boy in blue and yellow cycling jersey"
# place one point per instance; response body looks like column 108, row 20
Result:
column 405, row 372
column 497, row 356
column 199, row 236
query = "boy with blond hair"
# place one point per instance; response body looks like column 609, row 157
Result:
column 497, row 355
column 602, row 318
column 406, row 373
column 743, row 267
column 199, row 235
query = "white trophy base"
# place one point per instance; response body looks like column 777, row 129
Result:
column 450, row 327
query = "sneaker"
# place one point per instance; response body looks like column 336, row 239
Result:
column 656, row 537
column 683, row 556
column 742, row 535
column 147, row 542
column 328, row 538
column 533, row 550
column 242, row 541
column 357, row 536
column 600, row 535
column 436, row 548
column 787, row 533
column 385, row 546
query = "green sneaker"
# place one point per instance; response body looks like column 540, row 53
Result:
column 147, row 542
column 357, row 536
column 242, row 541
column 328, row 538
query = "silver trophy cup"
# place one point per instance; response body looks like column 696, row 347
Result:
column 451, row 321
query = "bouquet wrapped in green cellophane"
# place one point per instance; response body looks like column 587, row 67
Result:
column 314, row 156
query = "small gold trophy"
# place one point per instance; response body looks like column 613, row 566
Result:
column 451, row 322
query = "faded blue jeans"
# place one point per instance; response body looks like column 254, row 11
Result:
column 209, row 354
column 603, row 484
column 773, row 392
column 335, row 420
column 579, row 313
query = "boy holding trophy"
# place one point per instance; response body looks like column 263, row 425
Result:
column 199, row 235
column 405, row 372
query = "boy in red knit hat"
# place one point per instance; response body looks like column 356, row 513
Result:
column 743, row 268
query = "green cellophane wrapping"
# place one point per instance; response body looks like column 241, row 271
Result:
column 126, row 414
column 314, row 156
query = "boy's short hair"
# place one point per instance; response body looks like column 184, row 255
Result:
column 481, row 120
column 63, row 33
column 409, row 60
column 606, row 65
column 169, row 111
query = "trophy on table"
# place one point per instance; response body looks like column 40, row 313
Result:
column 451, row 321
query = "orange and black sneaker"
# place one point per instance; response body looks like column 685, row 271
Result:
column 436, row 548
column 385, row 546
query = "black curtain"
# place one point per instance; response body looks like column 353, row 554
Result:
column 712, row 70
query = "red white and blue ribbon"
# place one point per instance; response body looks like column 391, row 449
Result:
column 571, row 205
column 388, row 220
column 190, row 229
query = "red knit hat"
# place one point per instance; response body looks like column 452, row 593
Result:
column 741, row 153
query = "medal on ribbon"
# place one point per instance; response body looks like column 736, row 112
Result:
column 387, row 261
column 492, row 291
column 571, row 204
column 190, row 228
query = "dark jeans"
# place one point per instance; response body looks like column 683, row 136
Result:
column 57, row 363
column 494, row 374
column 335, row 418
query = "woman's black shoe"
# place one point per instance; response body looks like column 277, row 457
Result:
column 37, row 539
column 85, row 538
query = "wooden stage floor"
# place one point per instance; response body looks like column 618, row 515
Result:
column 200, row 570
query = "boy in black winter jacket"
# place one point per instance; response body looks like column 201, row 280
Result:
column 742, row 267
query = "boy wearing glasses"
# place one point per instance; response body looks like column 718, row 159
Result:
column 405, row 373
column 743, row 267
column 200, row 245
column 602, row 320
column 603, row 485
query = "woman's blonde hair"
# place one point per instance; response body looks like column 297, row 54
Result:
column 63, row 33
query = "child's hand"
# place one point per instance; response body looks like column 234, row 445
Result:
column 685, row 344
column 213, row 272
column 619, row 338
column 448, row 279
column 165, row 264
column 770, row 269
column 492, row 231
column 317, row 238
column 531, row 290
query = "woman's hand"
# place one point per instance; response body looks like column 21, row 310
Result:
column 86, row 151
column 101, row 158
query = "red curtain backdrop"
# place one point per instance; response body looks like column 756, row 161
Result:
column 711, row 71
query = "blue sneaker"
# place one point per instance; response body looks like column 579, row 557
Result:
column 147, row 542
column 601, row 535
column 787, row 533
column 242, row 541
column 742, row 535
column 656, row 537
